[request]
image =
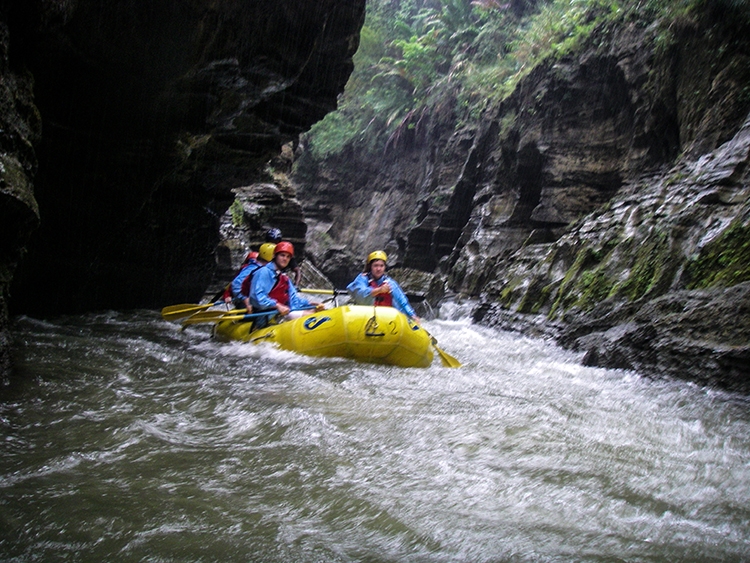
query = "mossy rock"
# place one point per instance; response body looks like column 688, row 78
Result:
column 723, row 262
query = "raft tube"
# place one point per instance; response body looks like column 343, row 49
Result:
column 380, row 335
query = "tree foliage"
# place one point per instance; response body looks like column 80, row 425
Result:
column 413, row 52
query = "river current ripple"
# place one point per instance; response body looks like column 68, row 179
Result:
column 125, row 439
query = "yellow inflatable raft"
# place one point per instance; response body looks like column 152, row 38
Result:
column 380, row 335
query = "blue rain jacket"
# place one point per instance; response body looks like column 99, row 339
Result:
column 361, row 293
column 239, row 278
column 263, row 282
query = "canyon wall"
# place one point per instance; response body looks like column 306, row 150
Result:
column 126, row 126
column 604, row 202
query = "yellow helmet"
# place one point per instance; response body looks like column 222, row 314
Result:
column 377, row 255
column 266, row 251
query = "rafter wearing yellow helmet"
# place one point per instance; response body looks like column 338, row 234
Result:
column 374, row 287
column 266, row 251
column 240, row 286
column 377, row 255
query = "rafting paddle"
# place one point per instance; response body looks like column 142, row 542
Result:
column 174, row 312
column 415, row 297
column 210, row 317
column 235, row 315
column 324, row 291
column 447, row 360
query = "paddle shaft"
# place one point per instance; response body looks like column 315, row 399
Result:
column 417, row 298
column 234, row 316
column 174, row 312
column 197, row 319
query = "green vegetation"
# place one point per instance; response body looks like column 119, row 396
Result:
column 572, row 289
column 418, row 55
column 237, row 212
column 652, row 266
column 723, row 262
column 595, row 286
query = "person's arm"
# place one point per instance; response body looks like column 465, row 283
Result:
column 360, row 289
column 237, row 282
column 295, row 301
column 400, row 301
column 244, row 292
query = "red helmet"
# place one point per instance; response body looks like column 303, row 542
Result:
column 284, row 246
column 251, row 256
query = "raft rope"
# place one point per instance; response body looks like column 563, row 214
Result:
column 371, row 328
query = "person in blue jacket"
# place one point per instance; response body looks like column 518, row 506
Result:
column 272, row 289
column 375, row 287
column 274, row 236
column 250, row 259
column 240, row 286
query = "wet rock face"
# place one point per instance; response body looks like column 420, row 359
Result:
column 701, row 336
column 560, row 146
column 19, row 214
column 656, row 280
column 152, row 113
column 604, row 202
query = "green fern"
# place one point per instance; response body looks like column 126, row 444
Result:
column 414, row 53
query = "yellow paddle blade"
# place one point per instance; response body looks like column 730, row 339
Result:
column 447, row 360
column 174, row 312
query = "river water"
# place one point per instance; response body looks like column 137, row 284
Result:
column 125, row 439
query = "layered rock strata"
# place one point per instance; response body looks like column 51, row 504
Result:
column 604, row 202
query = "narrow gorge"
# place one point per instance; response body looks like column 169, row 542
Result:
column 603, row 203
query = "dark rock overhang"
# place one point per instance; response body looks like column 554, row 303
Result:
column 152, row 112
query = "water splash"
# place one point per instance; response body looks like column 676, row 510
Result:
column 126, row 439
